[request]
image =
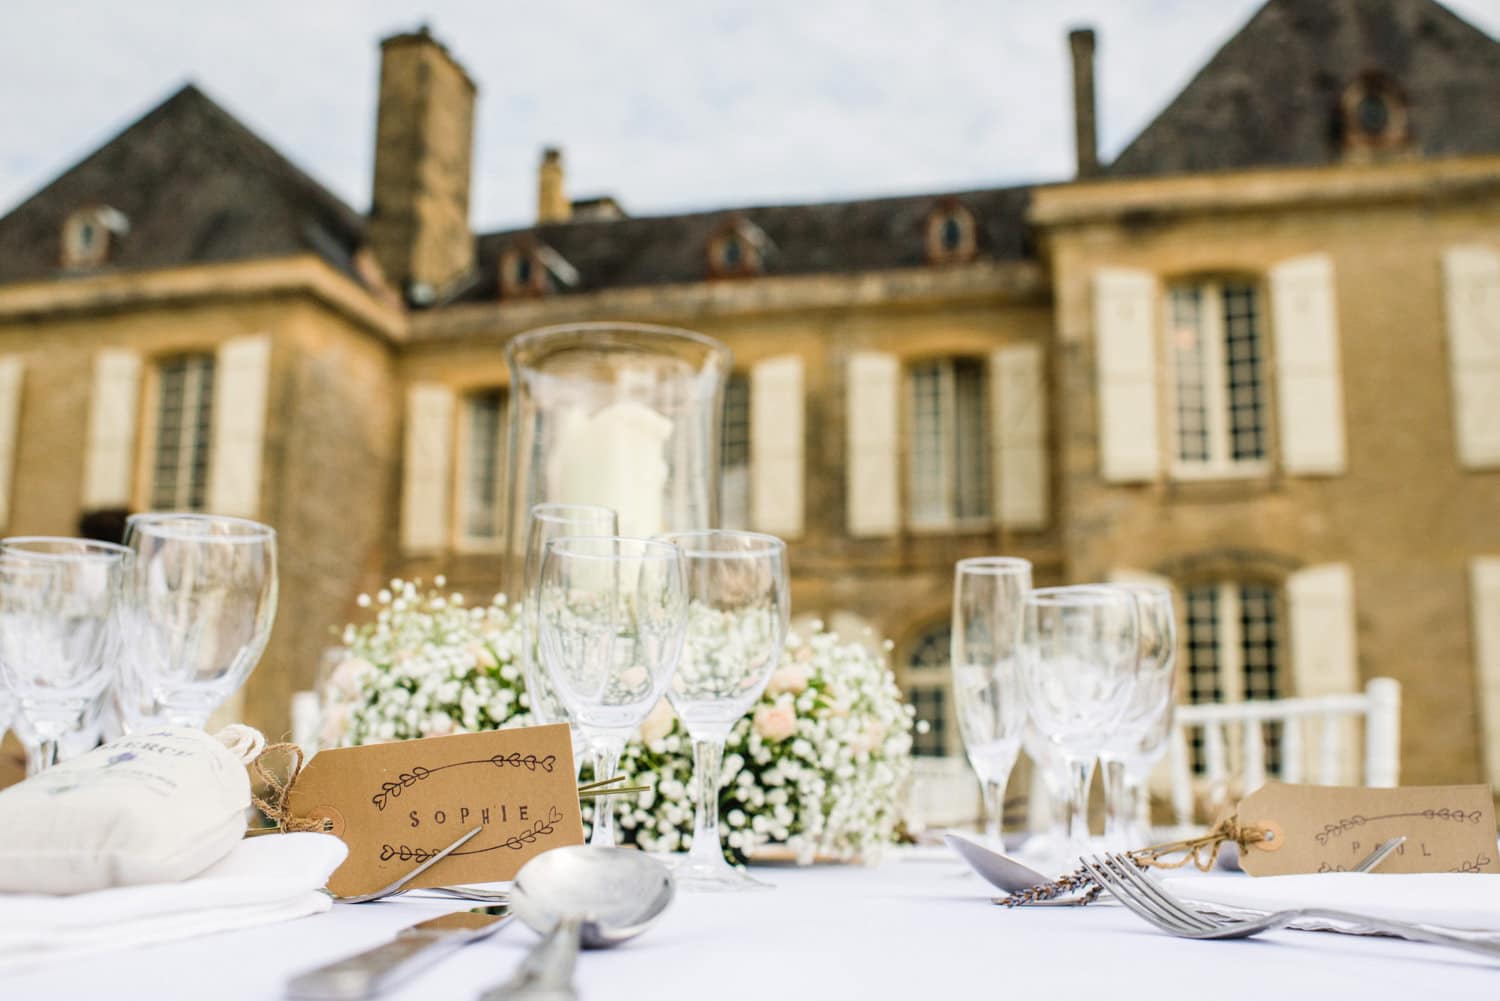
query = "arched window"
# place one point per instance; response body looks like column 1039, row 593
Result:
column 1373, row 115
column 87, row 235
column 737, row 249
column 531, row 268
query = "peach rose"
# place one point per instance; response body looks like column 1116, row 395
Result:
column 658, row 722
column 437, row 725
column 331, row 732
column 791, row 678
column 776, row 722
column 345, row 678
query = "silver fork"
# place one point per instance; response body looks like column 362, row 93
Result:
column 1150, row 900
column 401, row 884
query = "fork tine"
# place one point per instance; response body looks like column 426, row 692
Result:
column 1125, row 894
column 1150, row 888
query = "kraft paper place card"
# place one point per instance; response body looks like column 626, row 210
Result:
column 1331, row 828
column 396, row 805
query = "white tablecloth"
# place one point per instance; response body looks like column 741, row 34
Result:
column 912, row 929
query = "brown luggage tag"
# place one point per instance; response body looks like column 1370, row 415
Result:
column 397, row 804
column 1306, row 828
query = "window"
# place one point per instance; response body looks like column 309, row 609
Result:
column 948, row 468
column 184, row 425
column 1234, row 652
column 950, row 233
column 738, row 249
column 928, row 683
column 1216, row 349
column 86, row 235
column 483, row 467
column 1373, row 116
column 734, row 455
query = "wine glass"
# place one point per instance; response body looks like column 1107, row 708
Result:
column 611, row 614
column 544, row 523
column 987, row 602
column 202, row 599
column 1080, row 658
column 1149, row 703
column 59, row 634
column 738, row 611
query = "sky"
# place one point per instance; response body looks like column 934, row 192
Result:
column 669, row 105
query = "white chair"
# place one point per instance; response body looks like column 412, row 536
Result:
column 1243, row 724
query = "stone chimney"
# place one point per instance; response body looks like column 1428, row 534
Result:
column 424, row 145
column 1085, row 128
column 552, row 203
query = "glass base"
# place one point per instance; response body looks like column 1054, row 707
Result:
column 694, row 876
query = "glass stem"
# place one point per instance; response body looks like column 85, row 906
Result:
column 1118, row 805
column 994, row 808
column 42, row 756
column 1081, row 772
column 708, row 756
column 606, row 762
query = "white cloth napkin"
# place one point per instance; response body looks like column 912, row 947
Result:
column 1467, row 902
column 263, row 880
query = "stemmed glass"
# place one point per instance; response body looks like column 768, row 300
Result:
column 544, row 523
column 611, row 614
column 987, row 601
column 1140, row 738
column 202, row 598
column 59, row 633
column 1080, row 658
column 738, row 610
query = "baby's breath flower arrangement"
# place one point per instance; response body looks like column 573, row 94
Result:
column 429, row 665
column 819, row 767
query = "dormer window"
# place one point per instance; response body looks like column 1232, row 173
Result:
column 87, row 234
column 738, row 249
column 950, row 233
column 1373, row 116
column 531, row 268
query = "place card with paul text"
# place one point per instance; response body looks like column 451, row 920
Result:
column 397, row 804
column 1331, row 828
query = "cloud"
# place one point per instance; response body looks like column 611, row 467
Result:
column 668, row 105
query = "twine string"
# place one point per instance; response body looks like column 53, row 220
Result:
column 278, row 793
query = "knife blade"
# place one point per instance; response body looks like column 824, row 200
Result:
column 412, row 950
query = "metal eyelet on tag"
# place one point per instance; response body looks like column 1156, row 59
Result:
column 1274, row 839
column 332, row 816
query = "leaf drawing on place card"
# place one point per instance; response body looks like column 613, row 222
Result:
column 1330, row 831
column 391, row 790
column 515, row 842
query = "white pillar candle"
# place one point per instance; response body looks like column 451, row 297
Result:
column 615, row 458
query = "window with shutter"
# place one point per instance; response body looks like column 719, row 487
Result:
column 1308, row 380
column 483, row 469
column 109, row 452
column 777, row 433
column 428, row 461
column 1471, row 285
column 1125, row 360
column 1234, row 652
column 1217, row 355
column 183, row 443
column 948, row 460
column 872, row 458
column 240, row 394
column 1018, row 436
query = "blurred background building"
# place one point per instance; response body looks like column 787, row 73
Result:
column 1257, row 356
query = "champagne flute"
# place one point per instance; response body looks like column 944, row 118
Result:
column 544, row 523
column 611, row 615
column 988, row 593
column 1080, row 659
column 1150, row 701
column 59, row 633
column 738, row 610
column 202, row 600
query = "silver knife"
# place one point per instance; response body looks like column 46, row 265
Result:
column 411, row 951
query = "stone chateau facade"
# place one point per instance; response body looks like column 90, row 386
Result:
column 1257, row 356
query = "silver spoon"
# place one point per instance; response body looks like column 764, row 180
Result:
column 580, row 895
column 1000, row 871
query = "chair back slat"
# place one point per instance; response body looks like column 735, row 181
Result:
column 1291, row 749
column 1182, row 777
column 1328, row 749
column 1253, row 741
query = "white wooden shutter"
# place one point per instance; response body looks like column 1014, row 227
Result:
column 1471, row 287
column 1304, row 315
column 777, row 431
column 1125, row 353
column 1484, row 599
column 1018, row 412
column 428, row 465
column 242, row 373
column 109, row 452
column 872, row 504
column 1321, row 628
column 11, row 369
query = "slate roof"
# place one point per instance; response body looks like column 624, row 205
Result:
column 196, row 187
column 825, row 238
column 1270, row 96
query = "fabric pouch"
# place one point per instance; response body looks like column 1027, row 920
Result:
column 152, row 807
